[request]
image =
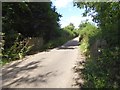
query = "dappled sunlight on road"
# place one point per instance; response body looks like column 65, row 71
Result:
column 45, row 69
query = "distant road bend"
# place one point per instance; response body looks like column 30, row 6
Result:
column 52, row 69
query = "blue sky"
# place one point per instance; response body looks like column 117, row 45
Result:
column 70, row 13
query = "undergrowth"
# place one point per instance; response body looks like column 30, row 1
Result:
column 102, row 71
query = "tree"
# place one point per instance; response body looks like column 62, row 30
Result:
column 107, row 63
column 70, row 27
column 82, row 25
column 21, row 20
column 107, row 17
column 31, row 19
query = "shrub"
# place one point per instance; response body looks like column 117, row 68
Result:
column 17, row 51
column 89, row 34
column 100, row 71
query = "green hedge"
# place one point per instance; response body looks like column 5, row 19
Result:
column 102, row 71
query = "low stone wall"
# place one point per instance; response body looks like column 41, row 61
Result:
column 95, row 48
column 36, row 43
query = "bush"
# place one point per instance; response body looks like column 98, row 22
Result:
column 17, row 51
column 100, row 71
column 103, row 72
column 89, row 34
column 65, row 35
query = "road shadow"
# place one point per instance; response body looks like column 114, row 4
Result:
column 36, row 80
column 16, row 74
column 78, row 71
column 69, row 45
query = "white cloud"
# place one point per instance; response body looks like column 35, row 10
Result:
column 76, row 20
column 61, row 3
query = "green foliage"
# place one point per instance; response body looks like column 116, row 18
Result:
column 88, row 32
column 82, row 25
column 70, row 27
column 2, row 42
column 39, row 19
column 70, row 31
column 17, row 51
column 65, row 35
column 30, row 19
column 107, row 18
column 103, row 71
column 55, row 43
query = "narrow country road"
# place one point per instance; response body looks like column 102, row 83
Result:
column 51, row 69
